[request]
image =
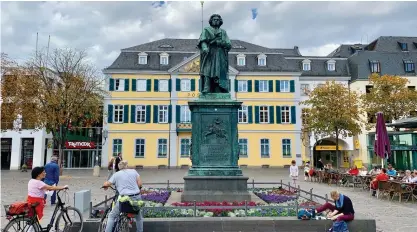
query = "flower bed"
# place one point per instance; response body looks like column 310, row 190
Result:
column 155, row 195
column 275, row 195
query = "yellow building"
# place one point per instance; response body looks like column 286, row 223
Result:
column 149, row 121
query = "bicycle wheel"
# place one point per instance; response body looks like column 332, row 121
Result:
column 22, row 224
column 123, row 224
column 103, row 221
column 69, row 219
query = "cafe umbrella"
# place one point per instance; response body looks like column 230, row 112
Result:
column 382, row 145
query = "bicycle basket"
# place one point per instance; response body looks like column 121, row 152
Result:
column 18, row 208
column 126, row 207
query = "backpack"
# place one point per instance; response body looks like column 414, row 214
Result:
column 18, row 208
column 339, row 226
column 304, row 214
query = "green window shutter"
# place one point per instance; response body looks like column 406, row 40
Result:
column 148, row 114
column 156, row 85
column 277, row 86
column 292, row 86
column 169, row 113
column 278, row 114
column 256, row 86
column 148, row 85
column 132, row 113
column 271, row 86
column 192, row 84
column 177, row 113
column 169, row 85
column 126, row 114
column 249, row 86
column 111, row 84
column 293, row 115
column 256, row 114
column 236, row 87
column 271, row 114
column 178, row 84
column 133, row 84
column 126, row 84
column 155, row 114
column 110, row 113
column 250, row 114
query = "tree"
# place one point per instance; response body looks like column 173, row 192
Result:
column 334, row 111
column 390, row 95
column 57, row 89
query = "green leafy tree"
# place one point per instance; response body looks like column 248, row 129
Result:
column 334, row 111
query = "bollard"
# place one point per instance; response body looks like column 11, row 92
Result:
column 311, row 194
column 326, row 198
column 246, row 208
column 281, row 183
column 195, row 209
column 253, row 183
column 168, row 185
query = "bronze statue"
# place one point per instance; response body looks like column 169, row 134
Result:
column 214, row 45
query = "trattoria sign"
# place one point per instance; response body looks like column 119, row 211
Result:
column 80, row 145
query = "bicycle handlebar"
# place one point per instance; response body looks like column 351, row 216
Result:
column 103, row 187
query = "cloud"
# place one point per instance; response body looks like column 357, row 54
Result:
column 103, row 28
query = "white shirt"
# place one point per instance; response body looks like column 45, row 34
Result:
column 293, row 170
column 414, row 180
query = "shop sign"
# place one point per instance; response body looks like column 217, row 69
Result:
column 327, row 148
column 80, row 145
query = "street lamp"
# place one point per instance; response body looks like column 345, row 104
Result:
column 309, row 145
column 104, row 134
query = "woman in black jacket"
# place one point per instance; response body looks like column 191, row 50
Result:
column 342, row 210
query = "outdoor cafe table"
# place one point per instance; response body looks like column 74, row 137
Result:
column 402, row 188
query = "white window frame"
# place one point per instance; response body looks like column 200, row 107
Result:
column 185, row 114
column 185, row 85
column 142, row 58
column 164, row 58
column 262, row 110
column 140, row 114
column 265, row 145
column 306, row 65
column 163, row 83
column 285, row 112
column 265, row 86
column 243, row 114
column 331, row 65
column 141, row 149
column 141, row 85
column 160, row 145
column 119, row 109
column 286, row 147
column 187, row 147
column 241, row 57
column 242, row 86
column 262, row 60
column 119, row 84
column 375, row 66
column 117, row 151
column 163, row 113
column 245, row 147
column 304, row 89
column 284, row 86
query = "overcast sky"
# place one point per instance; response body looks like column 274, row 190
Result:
column 103, row 28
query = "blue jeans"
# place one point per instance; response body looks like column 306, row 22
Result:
column 53, row 197
column 115, row 213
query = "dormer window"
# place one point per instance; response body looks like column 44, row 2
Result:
column 331, row 65
column 403, row 46
column 163, row 58
column 237, row 46
column 166, row 46
column 306, row 65
column 143, row 58
column 415, row 44
column 375, row 66
column 241, row 60
column 409, row 66
column 262, row 60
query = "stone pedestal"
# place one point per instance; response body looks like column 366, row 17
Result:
column 215, row 174
column 96, row 171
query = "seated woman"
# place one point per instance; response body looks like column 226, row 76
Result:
column 380, row 177
column 407, row 178
column 354, row 171
column 37, row 189
column 342, row 210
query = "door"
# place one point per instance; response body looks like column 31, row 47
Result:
column 27, row 152
column 6, row 153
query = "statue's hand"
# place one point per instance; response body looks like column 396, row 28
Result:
column 205, row 50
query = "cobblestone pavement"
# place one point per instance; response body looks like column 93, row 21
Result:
column 390, row 215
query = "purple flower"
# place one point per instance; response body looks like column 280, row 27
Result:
column 273, row 198
column 158, row 197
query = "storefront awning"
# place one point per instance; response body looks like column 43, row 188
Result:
column 404, row 123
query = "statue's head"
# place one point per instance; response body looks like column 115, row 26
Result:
column 216, row 20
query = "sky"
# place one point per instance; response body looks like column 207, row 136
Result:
column 103, row 28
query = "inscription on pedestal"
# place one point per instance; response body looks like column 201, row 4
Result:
column 214, row 154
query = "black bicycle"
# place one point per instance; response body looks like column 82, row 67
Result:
column 124, row 220
column 30, row 223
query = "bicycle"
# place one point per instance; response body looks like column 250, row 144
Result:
column 124, row 220
column 31, row 223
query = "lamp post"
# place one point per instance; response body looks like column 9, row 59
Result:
column 104, row 134
column 90, row 135
column 309, row 146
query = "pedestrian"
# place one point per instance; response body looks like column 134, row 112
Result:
column 294, row 172
column 320, row 165
column 110, row 167
column 307, row 171
column 117, row 161
column 52, row 176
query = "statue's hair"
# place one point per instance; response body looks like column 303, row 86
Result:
column 215, row 15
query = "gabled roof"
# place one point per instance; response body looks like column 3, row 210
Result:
column 390, row 44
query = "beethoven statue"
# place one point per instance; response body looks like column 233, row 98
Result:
column 214, row 45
